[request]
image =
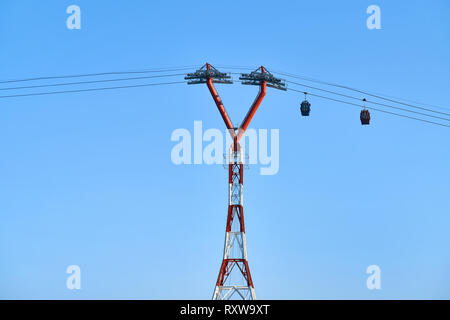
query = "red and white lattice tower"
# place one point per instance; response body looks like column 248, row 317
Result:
column 234, row 274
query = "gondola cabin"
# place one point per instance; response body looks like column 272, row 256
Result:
column 365, row 117
column 305, row 108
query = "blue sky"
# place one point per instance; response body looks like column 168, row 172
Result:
column 87, row 179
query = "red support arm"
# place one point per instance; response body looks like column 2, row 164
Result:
column 252, row 110
column 219, row 105
column 223, row 112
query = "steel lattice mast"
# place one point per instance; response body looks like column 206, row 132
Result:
column 234, row 274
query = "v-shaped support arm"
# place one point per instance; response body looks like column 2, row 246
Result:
column 248, row 117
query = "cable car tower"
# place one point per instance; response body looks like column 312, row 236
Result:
column 234, row 273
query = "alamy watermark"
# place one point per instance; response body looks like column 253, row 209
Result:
column 74, row 280
column 74, row 20
column 374, row 280
column 374, row 20
column 210, row 146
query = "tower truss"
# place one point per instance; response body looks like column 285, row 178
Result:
column 235, row 280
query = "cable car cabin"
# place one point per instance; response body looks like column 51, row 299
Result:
column 365, row 117
column 305, row 108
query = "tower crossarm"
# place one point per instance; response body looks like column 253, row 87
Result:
column 208, row 72
column 260, row 75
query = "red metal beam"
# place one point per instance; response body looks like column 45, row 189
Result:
column 249, row 116
column 253, row 108
column 219, row 104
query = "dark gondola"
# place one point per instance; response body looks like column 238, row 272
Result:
column 365, row 115
column 305, row 107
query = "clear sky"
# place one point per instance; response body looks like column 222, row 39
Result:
column 86, row 179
